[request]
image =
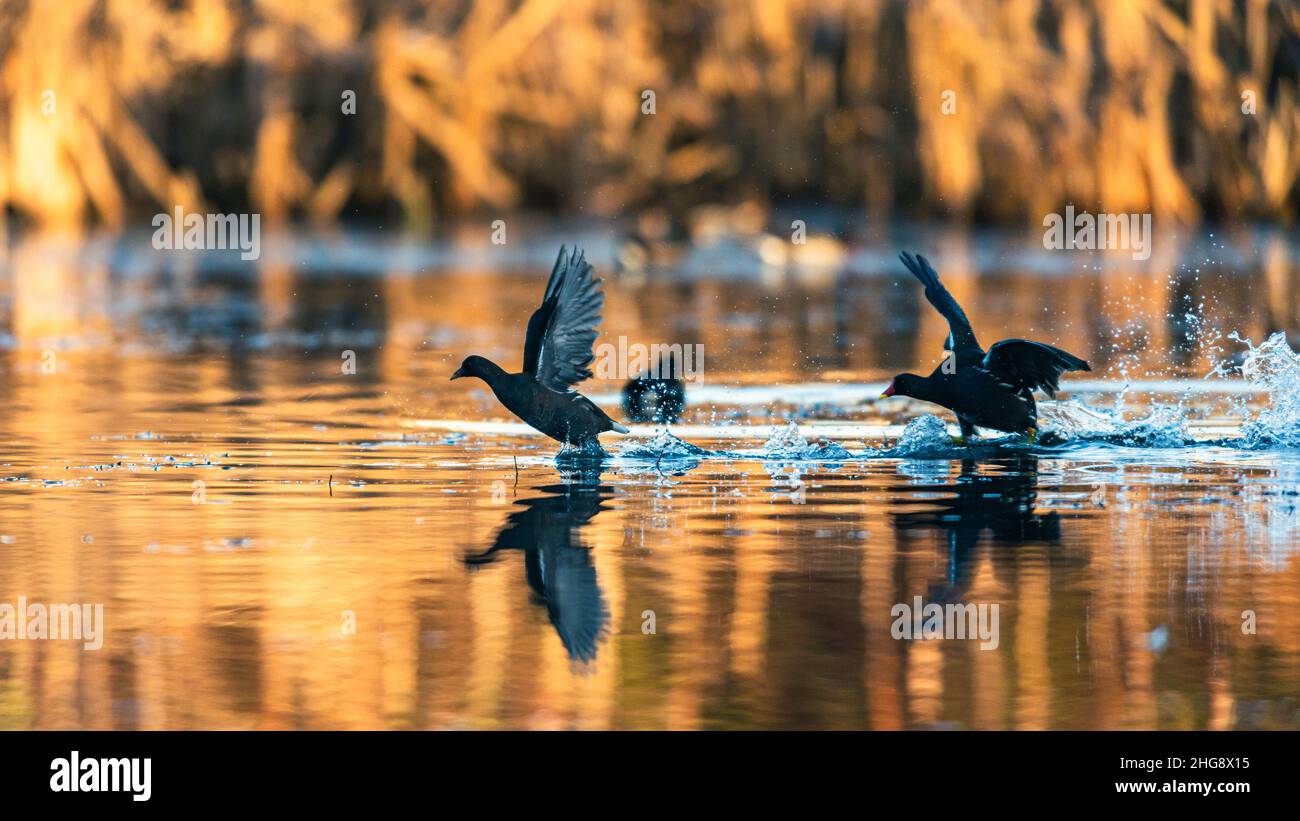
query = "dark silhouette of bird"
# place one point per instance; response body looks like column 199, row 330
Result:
column 557, row 353
column 993, row 389
column 995, row 501
column 657, row 395
column 559, row 568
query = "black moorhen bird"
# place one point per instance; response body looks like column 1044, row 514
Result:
column 656, row 395
column 557, row 352
column 988, row 390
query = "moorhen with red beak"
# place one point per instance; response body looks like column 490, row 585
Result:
column 557, row 353
column 993, row 389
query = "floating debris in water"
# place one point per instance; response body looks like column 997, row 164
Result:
column 227, row 545
column 1157, row 639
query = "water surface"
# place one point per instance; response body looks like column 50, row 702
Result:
column 279, row 543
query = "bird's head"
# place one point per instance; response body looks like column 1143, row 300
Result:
column 475, row 366
column 905, row 384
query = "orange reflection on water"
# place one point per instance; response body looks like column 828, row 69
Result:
column 1121, row 581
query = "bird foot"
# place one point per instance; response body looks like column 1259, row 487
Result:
column 1032, row 435
column 958, row 440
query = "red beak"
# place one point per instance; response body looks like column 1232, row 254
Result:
column 888, row 391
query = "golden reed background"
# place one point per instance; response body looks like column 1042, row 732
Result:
column 1117, row 105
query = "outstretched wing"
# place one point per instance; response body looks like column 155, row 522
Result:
column 961, row 337
column 1033, row 365
column 561, row 332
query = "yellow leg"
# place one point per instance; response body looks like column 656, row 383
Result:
column 1033, row 435
column 958, row 440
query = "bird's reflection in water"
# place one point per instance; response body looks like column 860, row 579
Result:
column 1000, row 501
column 559, row 566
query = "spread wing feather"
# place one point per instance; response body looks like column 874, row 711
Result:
column 961, row 337
column 558, row 347
column 1032, row 365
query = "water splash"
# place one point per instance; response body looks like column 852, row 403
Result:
column 928, row 437
column 827, row 451
column 785, row 443
column 587, row 452
column 664, row 447
column 1271, row 369
column 1164, row 426
column 922, row 435
column 1274, row 368
column 789, row 443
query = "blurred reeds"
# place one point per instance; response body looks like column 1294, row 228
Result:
column 112, row 110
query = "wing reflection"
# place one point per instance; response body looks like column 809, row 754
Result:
column 559, row 567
